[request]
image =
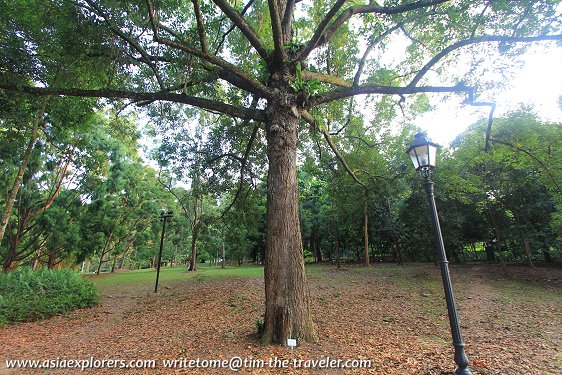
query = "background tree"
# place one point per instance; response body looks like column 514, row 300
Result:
column 508, row 193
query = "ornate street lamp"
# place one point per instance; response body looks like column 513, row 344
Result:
column 423, row 154
column 164, row 217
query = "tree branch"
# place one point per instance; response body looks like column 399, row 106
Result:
column 200, row 25
column 240, row 78
column 481, row 39
column 369, row 49
column 319, row 33
column 278, row 37
column 133, row 43
column 528, row 153
column 324, row 33
column 242, row 167
column 211, row 105
column 223, row 38
column 341, row 93
column 244, row 27
column 286, row 23
column 308, row 118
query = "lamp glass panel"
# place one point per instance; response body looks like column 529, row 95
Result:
column 432, row 154
column 423, row 156
column 414, row 158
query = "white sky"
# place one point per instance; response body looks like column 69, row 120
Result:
column 538, row 83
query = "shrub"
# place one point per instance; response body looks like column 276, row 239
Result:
column 27, row 295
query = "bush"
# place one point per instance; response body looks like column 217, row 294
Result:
column 27, row 295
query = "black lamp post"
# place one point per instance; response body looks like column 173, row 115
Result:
column 164, row 216
column 423, row 154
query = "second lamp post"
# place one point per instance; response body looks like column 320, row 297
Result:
column 164, row 216
column 424, row 155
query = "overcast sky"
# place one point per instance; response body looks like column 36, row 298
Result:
column 537, row 83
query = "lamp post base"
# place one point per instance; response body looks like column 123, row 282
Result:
column 463, row 371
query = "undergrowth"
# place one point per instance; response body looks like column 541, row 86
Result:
column 27, row 295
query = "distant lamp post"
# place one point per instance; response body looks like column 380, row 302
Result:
column 164, row 217
column 423, row 154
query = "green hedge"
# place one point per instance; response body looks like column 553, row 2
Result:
column 27, row 295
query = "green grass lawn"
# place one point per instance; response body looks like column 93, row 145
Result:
column 148, row 276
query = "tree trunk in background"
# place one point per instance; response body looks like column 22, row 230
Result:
column 496, row 230
column 338, row 257
column 528, row 251
column 195, row 231
column 223, row 253
column 193, row 248
column 103, row 252
column 10, row 262
column 366, row 232
column 287, row 299
column 19, row 177
column 114, row 264
column 122, row 262
column 52, row 260
column 315, row 242
column 398, row 251
column 36, row 260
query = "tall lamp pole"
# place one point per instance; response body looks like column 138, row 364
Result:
column 424, row 154
column 164, row 216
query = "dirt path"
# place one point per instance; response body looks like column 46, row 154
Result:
column 394, row 316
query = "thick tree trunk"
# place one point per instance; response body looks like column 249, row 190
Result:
column 287, row 299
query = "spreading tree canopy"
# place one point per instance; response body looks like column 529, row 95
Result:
column 270, row 64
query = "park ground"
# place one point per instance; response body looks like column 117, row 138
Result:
column 511, row 320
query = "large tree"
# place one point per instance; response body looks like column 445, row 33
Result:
column 273, row 63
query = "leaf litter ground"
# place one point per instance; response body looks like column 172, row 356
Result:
column 511, row 320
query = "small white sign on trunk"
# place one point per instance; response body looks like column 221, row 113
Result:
column 291, row 342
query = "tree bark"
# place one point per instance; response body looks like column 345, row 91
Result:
column 9, row 260
column 193, row 261
column 528, row 251
column 398, row 251
column 287, row 306
column 52, row 260
column 114, row 264
column 315, row 242
column 195, row 231
column 23, row 167
column 104, row 251
column 36, row 260
column 223, row 260
column 338, row 257
column 366, row 232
